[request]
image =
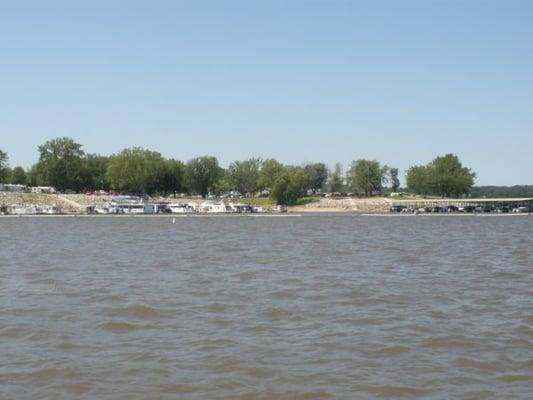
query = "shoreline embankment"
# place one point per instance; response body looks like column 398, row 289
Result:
column 76, row 204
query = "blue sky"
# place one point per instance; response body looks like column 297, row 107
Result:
column 300, row 81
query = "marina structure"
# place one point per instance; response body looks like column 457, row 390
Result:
column 467, row 205
column 138, row 205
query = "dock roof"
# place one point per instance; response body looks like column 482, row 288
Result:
column 467, row 200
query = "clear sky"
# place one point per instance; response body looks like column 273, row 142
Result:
column 396, row 81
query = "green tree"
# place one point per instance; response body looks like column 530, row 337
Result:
column 202, row 174
column 4, row 170
column 290, row 185
column 336, row 182
column 270, row 171
column 136, row 170
column 61, row 164
column 366, row 176
column 18, row 176
column 394, row 180
column 224, row 182
column 318, row 175
column 244, row 175
column 173, row 177
column 33, row 177
column 444, row 176
column 281, row 190
column 418, row 179
column 448, row 176
column 300, row 179
column 96, row 169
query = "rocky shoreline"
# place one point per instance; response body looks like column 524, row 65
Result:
column 346, row 205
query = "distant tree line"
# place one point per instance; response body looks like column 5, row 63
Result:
column 64, row 164
column 502, row 191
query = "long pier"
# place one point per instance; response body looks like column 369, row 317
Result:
column 499, row 205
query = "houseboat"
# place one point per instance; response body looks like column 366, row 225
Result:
column 32, row 209
column 213, row 208
column 182, row 208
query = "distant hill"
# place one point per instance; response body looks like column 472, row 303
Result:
column 502, row 191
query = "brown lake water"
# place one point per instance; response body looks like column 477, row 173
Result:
column 311, row 307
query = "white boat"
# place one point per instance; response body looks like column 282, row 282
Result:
column 240, row 208
column 53, row 210
column 32, row 209
column 133, row 209
column 212, row 208
column 21, row 209
column 107, row 209
column 182, row 208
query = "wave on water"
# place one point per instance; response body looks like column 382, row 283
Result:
column 391, row 350
column 451, row 342
column 484, row 366
column 75, row 388
column 48, row 374
column 68, row 346
column 140, row 311
column 395, row 391
column 119, row 327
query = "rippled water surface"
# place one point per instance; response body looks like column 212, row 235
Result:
column 311, row 307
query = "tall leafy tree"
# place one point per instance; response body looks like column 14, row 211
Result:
column 224, row 182
column 4, row 169
column 318, row 175
column 299, row 178
column 202, row 174
column 282, row 192
column 336, row 182
column 96, row 169
column 366, row 176
column 244, row 175
column 173, row 177
column 449, row 177
column 394, row 180
column 290, row 185
column 136, row 170
column 444, row 176
column 18, row 176
column 61, row 164
column 32, row 176
column 418, row 179
column 270, row 171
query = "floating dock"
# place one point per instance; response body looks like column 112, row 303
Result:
column 469, row 205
